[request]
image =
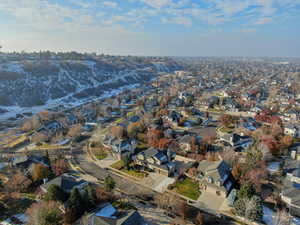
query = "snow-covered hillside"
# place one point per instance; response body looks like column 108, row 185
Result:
column 34, row 84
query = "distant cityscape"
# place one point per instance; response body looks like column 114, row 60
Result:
column 98, row 139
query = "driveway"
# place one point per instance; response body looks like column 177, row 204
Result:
column 105, row 163
column 210, row 201
column 152, row 215
column 158, row 182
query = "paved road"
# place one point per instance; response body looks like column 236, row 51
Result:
column 130, row 187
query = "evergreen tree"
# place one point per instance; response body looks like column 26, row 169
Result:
column 247, row 190
column 75, row 202
column 55, row 193
column 47, row 158
column 90, row 198
column 109, row 183
column 126, row 162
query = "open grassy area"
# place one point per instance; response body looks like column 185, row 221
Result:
column 226, row 129
column 188, row 188
column 101, row 155
column 118, row 165
column 135, row 173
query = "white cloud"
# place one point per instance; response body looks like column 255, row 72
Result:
column 178, row 20
column 263, row 20
column 157, row 3
column 110, row 4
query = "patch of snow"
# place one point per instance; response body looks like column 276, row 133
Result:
column 108, row 212
column 21, row 217
column 268, row 216
column 273, row 166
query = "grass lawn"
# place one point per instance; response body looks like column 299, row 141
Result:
column 29, row 195
column 118, row 165
column 120, row 120
column 135, row 173
column 188, row 188
column 226, row 129
column 101, row 155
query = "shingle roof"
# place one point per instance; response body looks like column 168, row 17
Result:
column 131, row 217
column 64, row 181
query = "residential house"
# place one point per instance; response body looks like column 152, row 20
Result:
column 27, row 163
column 290, row 193
column 160, row 161
column 121, row 148
column 295, row 151
column 236, row 141
column 292, row 114
column 51, row 127
column 172, row 119
column 214, row 177
column 88, row 114
column 66, row 182
column 292, row 130
column 185, row 142
column 106, row 214
column 71, row 119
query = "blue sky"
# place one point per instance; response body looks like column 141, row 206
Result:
column 153, row 27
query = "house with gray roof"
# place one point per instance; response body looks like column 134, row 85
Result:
column 292, row 130
column 160, row 161
column 107, row 214
column 290, row 193
column 121, row 148
column 214, row 177
column 66, row 182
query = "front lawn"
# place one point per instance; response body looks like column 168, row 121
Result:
column 118, row 165
column 135, row 173
column 226, row 129
column 132, row 171
column 101, row 155
column 188, row 188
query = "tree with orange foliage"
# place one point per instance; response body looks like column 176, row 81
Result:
column 199, row 220
column 19, row 182
column 237, row 171
column 211, row 156
column 133, row 129
column 227, row 120
column 194, row 146
column 287, row 141
column 101, row 195
column 74, row 130
column 272, row 145
column 193, row 172
column 60, row 167
column 44, row 115
column 164, row 143
column 276, row 130
column 153, row 137
column 40, row 172
column 118, row 132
